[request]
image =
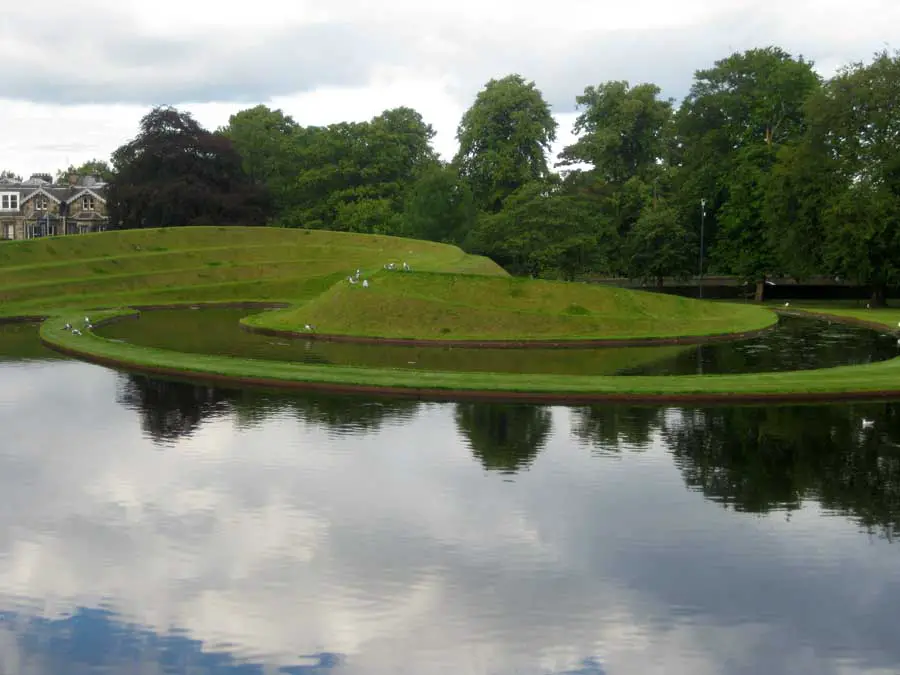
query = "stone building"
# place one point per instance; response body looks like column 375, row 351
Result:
column 39, row 208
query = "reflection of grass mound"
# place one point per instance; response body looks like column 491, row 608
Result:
column 465, row 307
column 201, row 264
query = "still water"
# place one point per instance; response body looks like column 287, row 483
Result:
column 794, row 344
column 158, row 527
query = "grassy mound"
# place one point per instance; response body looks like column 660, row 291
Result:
column 423, row 305
column 202, row 264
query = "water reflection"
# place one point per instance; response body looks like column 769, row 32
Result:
column 795, row 344
column 763, row 458
column 504, row 437
column 290, row 534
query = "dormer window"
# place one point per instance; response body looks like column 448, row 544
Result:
column 9, row 201
column 87, row 203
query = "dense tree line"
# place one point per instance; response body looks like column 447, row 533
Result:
column 763, row 169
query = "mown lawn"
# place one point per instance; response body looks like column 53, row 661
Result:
column 201, row 264
column 422, row 305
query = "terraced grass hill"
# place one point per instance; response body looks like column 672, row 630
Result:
column 202, row 264
column 426, row 305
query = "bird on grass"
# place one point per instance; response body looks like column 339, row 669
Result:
column 68, row 326
column 87, row 319
column 351, row 280
column 75, row 331
column 787, row 304
column 309, row 328
column 406, row 267
column 365, row 283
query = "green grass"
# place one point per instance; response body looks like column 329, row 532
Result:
column 202, row 264
column 864, row 379
column 449, row 295
column 424, row 305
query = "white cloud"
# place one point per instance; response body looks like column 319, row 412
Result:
column 350, row 59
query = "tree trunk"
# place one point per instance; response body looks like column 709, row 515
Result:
column 659, row 282
column 879, row 296
column 760, row 291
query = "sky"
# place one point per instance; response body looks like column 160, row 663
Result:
column 78, row 76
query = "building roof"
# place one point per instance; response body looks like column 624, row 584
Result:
column 58, row 192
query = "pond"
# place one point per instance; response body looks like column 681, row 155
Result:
column 794, row 344
column 161, row 527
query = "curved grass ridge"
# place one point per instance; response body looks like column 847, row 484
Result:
column 861, row 381
column 453, row 309
column 202, row 264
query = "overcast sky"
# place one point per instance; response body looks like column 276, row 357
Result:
column 77, row 76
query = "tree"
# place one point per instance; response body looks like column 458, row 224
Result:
column 268, row 142
column 504, row 139
column 658, row 246
column 543, row 232
column 854, row 130
column 439, row 207
column 93, row 167
column 355, row 175
column 623, row 131
column 736, row 116
column 175, row 172
column 6, row 174
column 798, row 186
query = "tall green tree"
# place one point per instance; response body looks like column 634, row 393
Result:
column 439, row 207
column 623, row 131
column 268, row 142
column 542, row 231
column 854, row 132
column 658, row 246
column 504, row 139
column 737, row 114
column 175, row 172
column 623, row 139
column 355, row 176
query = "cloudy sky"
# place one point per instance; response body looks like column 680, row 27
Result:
column 79, row 75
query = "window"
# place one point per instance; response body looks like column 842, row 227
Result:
column 40, row 203
column 87, row 203
column 9, row 201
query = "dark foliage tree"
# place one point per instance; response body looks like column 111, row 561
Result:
column 175, row 172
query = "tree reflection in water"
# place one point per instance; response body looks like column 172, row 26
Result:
column 750, row 458
column 504, row 438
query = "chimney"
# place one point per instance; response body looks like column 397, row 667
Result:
column 72, row 179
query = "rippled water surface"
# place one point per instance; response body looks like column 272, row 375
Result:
column 158, row 527
column 795, row 344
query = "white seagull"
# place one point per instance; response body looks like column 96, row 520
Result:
column 365, row 283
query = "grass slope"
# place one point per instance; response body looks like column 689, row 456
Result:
column 202, row 264
column 426, row 305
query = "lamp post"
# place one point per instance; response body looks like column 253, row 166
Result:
column 702, row 223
